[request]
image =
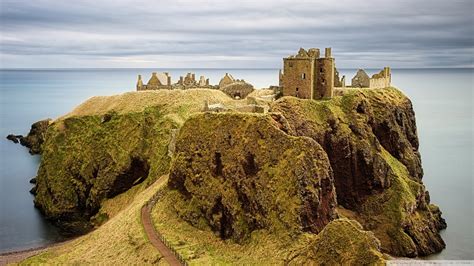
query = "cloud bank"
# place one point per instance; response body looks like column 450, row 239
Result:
column 226, row 34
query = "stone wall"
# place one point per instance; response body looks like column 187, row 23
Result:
column 360, row 80
column 297, row 77
column 381, row 79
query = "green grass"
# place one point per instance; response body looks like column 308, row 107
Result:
column 119, row 241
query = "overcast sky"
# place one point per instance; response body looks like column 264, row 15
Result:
column 232, row 33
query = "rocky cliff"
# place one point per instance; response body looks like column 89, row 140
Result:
column 371, row 141
column 240, row 172
column 106, row 146
column 231, row 169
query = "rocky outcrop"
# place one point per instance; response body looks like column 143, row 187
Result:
column 370, row 138
column 91, row 158
column 238, row 173
column 35, row 137
column 342, row 242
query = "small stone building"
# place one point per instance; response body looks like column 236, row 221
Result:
column 235, row 88
column 226, row 80
column 156, row 82
column 306, row 75
column 380, row 80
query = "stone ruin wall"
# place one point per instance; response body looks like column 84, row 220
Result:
column 324, row 81
column 293, row 82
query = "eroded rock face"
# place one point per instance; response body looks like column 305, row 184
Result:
column 240, row 172
column 370, row 138
column 91, row 158
column 35, row 137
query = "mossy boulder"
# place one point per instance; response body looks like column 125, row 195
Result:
column 342, row 242
column 237, row 173
column 371, row 141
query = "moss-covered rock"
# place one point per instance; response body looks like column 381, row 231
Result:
column 106, row 146
column 342, row 242
column 240, row 172
column 371, row 141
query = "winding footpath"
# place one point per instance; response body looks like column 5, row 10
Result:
column 146, row 220
column 154, row 239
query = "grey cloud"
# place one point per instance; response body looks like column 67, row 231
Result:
column 362, row 33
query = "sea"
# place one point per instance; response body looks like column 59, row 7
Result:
column 442, row 100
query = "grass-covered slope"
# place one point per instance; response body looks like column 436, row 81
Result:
column 371, row 141
column 342, row 242
column 106, row 146
column 120, row 241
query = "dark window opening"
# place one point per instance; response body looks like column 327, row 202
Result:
column 218, row 164
column 290, row 64
column 303, row 76
column 321, row 70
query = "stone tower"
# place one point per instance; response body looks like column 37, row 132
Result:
column 306, row 75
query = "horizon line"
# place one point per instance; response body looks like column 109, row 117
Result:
column 204, row 68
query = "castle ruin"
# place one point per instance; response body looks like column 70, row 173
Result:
column 307, row 75
column 235, row 88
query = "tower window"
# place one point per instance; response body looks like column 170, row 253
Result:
column 303, row 76
column 290, row 64
column 321, row 70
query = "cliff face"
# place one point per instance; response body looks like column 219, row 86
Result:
column 239, row 172
column 106, row 146
column 371, row 141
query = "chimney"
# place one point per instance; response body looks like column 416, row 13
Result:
column 139, row 83
column 327, row 52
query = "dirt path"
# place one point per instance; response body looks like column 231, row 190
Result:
column 155, row 239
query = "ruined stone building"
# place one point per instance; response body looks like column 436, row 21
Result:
column 226, row 80
column 189, row 81
column 307, row 75
column 235, row 88
column 156, row 82
column 380, row 80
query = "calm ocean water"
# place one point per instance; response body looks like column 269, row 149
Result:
column 442, row 98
